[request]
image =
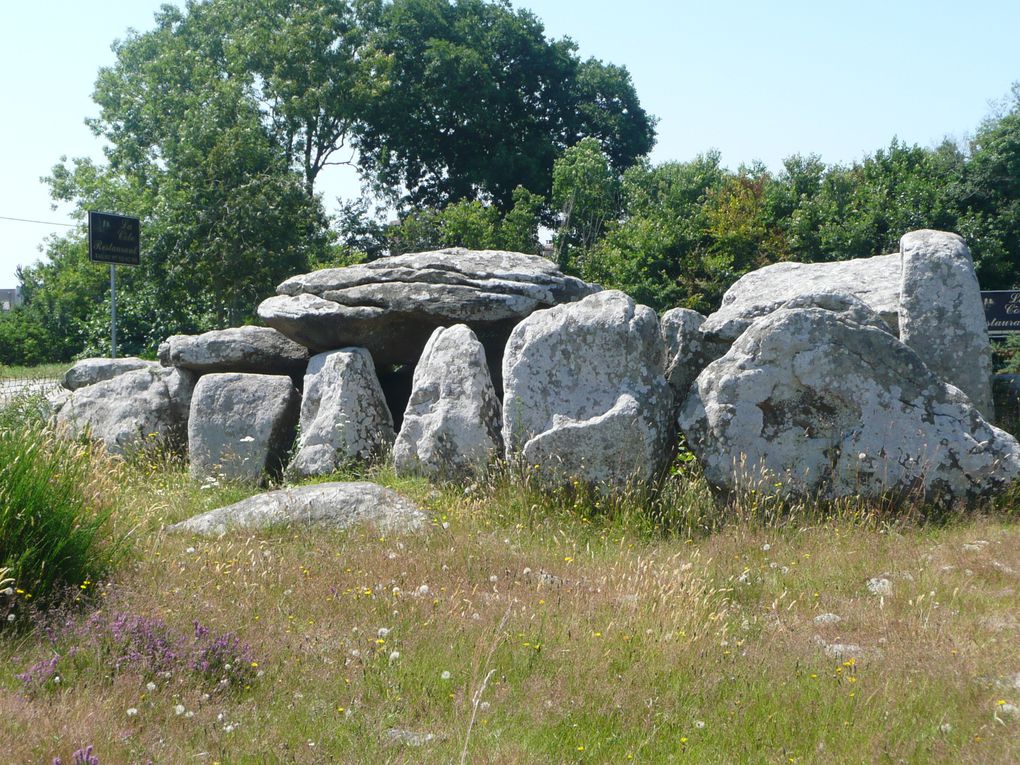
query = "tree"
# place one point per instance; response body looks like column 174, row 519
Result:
column 472, row 224
column 587, row 191
column 479, row 102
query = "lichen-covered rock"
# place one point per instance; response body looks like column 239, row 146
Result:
column 941, row 315
column 126, row 412
column 91, row 371
column 820, row 406
column 336, row 505
column 256, row 350
column 586, row 398
column 874, row 281
column 344, row 417
column 452, row 423
column 681, row 332
column 241, row 425
column 392, row 305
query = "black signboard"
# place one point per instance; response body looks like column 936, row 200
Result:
column 1002, row 311
column 114, row 239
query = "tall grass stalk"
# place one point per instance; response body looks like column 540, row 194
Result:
column 54, row 512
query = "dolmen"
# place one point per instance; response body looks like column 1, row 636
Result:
column 866, row 378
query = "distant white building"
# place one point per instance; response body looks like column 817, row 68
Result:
column 9, row 299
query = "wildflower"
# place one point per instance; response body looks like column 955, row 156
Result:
column 132, row 711
column 384, row 631
column 150, row 687
column 179, row 710
column 445, row 675
column 394, row 656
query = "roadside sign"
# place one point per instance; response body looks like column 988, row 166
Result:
column 114, row 239
column 1002, row 311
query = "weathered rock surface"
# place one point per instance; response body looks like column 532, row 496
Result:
column 257, row 350
column 681, row 332
column 241, row 425
column 344, row 417
column 875, row 281
column 91, row 371
column 586, row 398
column 125, row 412
column 452, row 423
column 392, row 305
column 336, row 505
column 941, row 315
column 826, row 407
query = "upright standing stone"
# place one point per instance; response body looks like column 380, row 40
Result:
column 684, row 361
column 241, row 425
column 586, row 398
column 941, row 315
column 344, row 417
column 451, row 425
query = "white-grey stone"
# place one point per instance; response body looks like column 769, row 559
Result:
column 392, row 305
column 880, row 586
column 256, row 350
column 336, row 505
column 125, row 412
column 681, row 332
column 241, row 425
column 344, row 417
column 941, row 314
column 828, row 619
column 586, row 398
column 827, row 408
column 180, row 384
column 452, row 423
column 874, row 281
column 91, row 371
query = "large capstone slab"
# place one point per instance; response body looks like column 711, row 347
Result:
column 941, row 314
column 255, row 350
column 344, row 417
column 336, row 505
column 586, row 399
column 392, row 305
column 91, row 371
column 874, row 281
column 241, row 426
column 126, row 412
column 811, row 404
column 452, row 423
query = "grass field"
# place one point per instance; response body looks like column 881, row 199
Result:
column 527, row 629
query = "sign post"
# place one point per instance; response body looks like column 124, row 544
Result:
column 114, row 239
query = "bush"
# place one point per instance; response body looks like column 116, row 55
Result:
column 54, row 521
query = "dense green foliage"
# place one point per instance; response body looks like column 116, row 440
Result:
column 54, row 530
column 477, row 130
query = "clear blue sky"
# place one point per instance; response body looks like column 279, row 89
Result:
column 755, row 80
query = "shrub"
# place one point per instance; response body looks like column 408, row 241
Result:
column 54, row 520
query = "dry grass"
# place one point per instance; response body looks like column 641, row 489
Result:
column 680, row 636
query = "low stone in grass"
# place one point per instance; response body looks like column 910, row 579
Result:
column 336, row 505
column 241, row 425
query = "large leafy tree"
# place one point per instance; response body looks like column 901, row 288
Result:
column 479, row 102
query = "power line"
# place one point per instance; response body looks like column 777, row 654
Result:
column 42, row 222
